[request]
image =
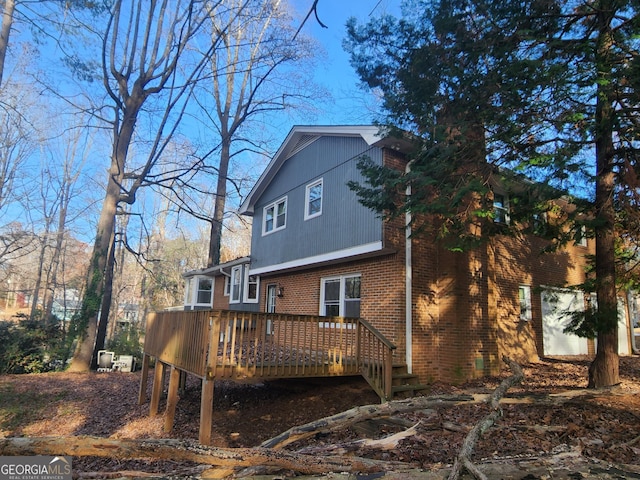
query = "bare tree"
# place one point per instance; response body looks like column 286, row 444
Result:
column 260, row 68
column 148, row 67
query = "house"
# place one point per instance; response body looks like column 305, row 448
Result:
column 315, row 250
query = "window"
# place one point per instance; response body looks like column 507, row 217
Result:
column 187, row 291
column 205, row 288
column 227, row 285
column 236, row 281
column 539, row 224
column 500, row 208
column 251, row 288
column 275, row 216
column 313, row 200
column 581, row 236
column 340, row 296
column 524, row 295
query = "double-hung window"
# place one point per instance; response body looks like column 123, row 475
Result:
column 581, row 236
column 236, row 283
column 205, row 289
column 274, row 216
column 500, row 208
column 340, row 296
column 251, row 288
column 524, row 296
column 313, row 200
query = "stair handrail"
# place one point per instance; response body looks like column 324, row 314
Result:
column 379, row 372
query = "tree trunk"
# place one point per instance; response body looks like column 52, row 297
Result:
column 103, row 321
column 215, row 239
column 604, row 371
column 184, row 451
column 57, row 253
column 7, row 21
column 38, row 285
column 95, row 283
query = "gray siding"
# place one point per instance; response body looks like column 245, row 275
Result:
column 344, row 222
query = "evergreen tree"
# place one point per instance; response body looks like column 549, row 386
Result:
column 540, row 88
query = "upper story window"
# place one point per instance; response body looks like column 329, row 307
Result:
column 500, row 208
column 275, row 216
column 340, row 296
column 313, row 200
column 227, row 285
column 236, row 282
column 251, row 288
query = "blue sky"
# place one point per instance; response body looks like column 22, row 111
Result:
column 349, row 104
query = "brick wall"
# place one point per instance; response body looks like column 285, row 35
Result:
column 465, row 310
column 220, row 301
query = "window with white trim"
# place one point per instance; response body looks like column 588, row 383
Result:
column 524, row 296
column 274, row 216
column 227, row 285
column 340, row 296
column 313, row 200
column 205, row 291
column 500, row 208
column 581, row 236
column 236, row 283
column 251, row 287
column 188, row 292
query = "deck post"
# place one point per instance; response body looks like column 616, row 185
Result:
column 142, row 393
column 172, row 398
column 388, row 374
column 206, row 411
column 158, row 386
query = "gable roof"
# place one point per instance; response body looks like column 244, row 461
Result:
column 300, row 137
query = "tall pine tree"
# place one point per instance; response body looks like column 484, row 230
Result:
column 542, row 88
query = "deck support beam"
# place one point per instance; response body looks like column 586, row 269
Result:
column 142, row 393
column 172, row 398
column 158, row 386
column 206, row 411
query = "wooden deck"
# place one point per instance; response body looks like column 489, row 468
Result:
column 222, row 344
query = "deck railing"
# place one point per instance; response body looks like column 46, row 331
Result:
column 218, row 344
column 241, row 345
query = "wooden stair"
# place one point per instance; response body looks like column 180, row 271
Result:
column 405, row 384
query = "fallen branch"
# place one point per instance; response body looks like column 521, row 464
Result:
column 386, row 443
column 187, row 451
column 463, row 460
column 359, row 414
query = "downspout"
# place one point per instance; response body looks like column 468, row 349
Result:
column 635, row 349
column 408, row 286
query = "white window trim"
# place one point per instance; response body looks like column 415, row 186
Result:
column 342, row 279
column 275, row 216
column 193, row 286
column 235, row 272
column 525, row 316
column 245, row 288
column 188, row 292
column 308, row 216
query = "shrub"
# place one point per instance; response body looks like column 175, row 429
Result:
column 31, row 346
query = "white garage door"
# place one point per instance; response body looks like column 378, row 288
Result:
column 555, row 341
column 623, row 326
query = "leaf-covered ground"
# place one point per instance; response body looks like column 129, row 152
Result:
column 550, row 413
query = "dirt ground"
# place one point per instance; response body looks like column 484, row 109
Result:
column 551, row 412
